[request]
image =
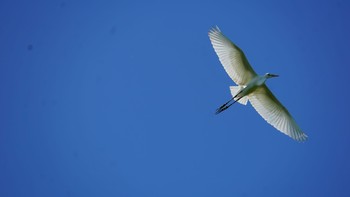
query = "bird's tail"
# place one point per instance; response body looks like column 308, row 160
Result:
column 236, row 90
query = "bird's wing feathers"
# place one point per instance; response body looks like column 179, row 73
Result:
column 267, row 105
column 231, row 57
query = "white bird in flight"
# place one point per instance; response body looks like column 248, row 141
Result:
column 252, row 87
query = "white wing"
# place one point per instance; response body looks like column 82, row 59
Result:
column 231, row 57
column 266, row 104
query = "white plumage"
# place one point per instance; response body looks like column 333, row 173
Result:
column 252, row 87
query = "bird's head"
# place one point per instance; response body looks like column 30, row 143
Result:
column 269, row 75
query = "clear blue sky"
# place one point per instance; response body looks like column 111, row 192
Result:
column 117, row 98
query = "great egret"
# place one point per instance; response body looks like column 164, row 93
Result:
column 252, row 87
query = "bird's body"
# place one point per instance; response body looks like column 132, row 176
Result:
column 252, row 87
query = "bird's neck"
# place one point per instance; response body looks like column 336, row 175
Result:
column 261, row 80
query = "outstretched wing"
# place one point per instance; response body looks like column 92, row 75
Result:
column 231, row 57
column 266, row 104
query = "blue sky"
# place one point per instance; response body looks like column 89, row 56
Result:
column 117, row 98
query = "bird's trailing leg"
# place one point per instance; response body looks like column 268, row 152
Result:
column 226, row 105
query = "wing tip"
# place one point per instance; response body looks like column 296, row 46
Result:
column 214, row 30
column 297, row 135
column 302, row 137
